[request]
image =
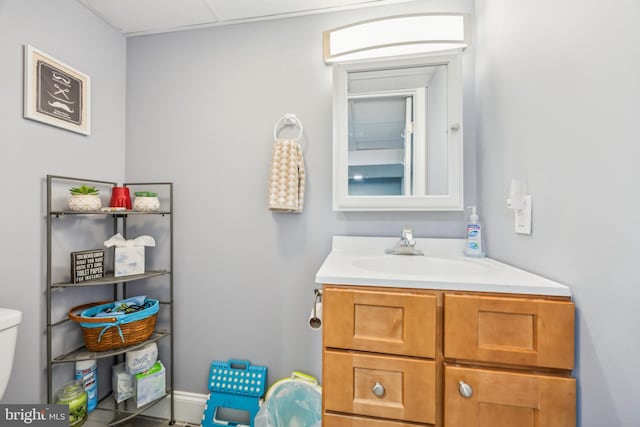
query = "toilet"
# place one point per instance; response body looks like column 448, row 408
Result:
column 9, row 320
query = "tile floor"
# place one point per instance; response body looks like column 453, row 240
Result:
column 140, row 421
column 152, row 422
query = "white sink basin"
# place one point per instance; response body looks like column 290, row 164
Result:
column 362, row 261
column 424, row 266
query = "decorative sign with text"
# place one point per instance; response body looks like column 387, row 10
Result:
column 87, row 265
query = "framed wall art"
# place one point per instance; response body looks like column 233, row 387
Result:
column 55, row 93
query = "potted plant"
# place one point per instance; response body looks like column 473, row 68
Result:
column 146, row 201
column 84, row 199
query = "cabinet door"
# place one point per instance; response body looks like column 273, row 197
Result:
column 392, row 387
column 508, row 399
column 516, row 331
column 381, row 322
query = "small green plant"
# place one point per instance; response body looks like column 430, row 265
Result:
column 84, row 189
column 146, row 194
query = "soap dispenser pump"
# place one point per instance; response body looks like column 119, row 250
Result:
column 473, row 245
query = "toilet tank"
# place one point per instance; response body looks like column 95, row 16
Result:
column 9, row 320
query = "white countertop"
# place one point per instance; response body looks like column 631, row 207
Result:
column 362, row 261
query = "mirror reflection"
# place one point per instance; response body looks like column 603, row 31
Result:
column 397, row 134
column 397, row 131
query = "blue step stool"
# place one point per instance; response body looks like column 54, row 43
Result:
column 235, row 384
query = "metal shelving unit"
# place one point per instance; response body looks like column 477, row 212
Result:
column 124, row 411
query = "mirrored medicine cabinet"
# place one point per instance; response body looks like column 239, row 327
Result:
column 397, row 134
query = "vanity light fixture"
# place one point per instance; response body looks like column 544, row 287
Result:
column 397, row 35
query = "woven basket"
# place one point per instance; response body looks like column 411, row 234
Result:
column 110, row 333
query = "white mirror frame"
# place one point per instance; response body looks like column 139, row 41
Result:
column 453, row 201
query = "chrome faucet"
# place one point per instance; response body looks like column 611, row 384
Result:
column 406, row 245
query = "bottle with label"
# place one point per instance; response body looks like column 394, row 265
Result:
column 473, row 246
column 87, row 375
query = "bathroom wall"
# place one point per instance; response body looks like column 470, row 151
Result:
column 31, row 150
column 557, row 103
column 557, row 107
column 201, row 106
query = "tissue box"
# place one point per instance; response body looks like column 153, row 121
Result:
column 129, row 254
column 128, row 261
column 121, row 383
column 150, row 385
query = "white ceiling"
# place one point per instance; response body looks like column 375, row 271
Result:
column 139, row 17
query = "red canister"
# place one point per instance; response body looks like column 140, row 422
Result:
column 120, row 198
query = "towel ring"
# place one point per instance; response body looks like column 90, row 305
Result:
column 288, row 119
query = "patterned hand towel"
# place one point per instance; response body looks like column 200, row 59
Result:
column 286, row 180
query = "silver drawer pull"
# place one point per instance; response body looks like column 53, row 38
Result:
column 465, row 389
column 378, row 389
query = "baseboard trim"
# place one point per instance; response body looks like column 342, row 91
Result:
column 188, row 407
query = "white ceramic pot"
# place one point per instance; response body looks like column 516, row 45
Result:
column 146, row 204
column 84, row 202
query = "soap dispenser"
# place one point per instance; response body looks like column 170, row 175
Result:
column 473, row 246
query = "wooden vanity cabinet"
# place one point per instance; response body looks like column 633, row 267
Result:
column 526, row 349
column 380, row 321
column 384, row 386
column 509, row 330
column 412, row 357
column 379, row 357
column 506, row 398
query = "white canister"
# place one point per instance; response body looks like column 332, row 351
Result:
column 86, row 372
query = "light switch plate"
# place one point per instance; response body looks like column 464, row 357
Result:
column 523, row 217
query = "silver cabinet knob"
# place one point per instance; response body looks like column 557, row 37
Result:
column 378, row 389
column 465, row 389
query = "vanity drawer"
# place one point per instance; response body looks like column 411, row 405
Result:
column 379, row 386
column 507, row 399
column 518, row 331
column 339, row 420
column 378, row 321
